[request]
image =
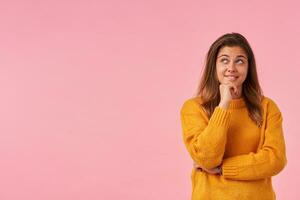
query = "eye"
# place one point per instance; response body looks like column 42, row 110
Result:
column 224, row 60
column 240, row 61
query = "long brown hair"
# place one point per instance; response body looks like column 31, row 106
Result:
column 208, row 88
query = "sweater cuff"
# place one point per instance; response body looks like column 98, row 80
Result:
column 220, row 117
column 229, row 171
column 230, row 167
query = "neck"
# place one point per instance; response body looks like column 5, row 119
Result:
column 239, row 94
column 237, row 97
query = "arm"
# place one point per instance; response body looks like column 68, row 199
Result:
column 268, row 161
column 204, row 139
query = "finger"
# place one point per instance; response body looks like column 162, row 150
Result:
column 234, row 88
column 210, row 171
column 196, row 165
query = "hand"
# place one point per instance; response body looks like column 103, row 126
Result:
column 216, row 170
column 227, row 92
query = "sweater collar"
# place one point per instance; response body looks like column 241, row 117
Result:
column 237, row 103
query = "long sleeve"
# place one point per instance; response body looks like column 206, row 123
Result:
column 268, row 161
column 204, row 138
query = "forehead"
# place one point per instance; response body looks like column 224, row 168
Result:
column 232, row 51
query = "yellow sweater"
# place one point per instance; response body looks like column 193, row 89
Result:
column 249, row 155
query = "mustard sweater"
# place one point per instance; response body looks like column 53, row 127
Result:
column 249, row 155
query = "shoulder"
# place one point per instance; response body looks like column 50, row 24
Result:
column 191, row 105
column 270, row 108
column 269, row 104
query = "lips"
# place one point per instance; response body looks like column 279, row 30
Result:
column 231, row 77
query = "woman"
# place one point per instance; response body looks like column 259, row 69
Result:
column 232, row 132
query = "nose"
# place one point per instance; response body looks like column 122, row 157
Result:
column 231, row 67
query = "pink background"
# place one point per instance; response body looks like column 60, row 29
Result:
column 91, row 92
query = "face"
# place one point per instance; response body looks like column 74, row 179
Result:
column 232, row 65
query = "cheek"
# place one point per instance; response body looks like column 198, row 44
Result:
column 246, row 71
column 220, row 74
column 244, row 74
column 220, row 70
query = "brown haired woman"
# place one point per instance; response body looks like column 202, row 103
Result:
column 232, row 132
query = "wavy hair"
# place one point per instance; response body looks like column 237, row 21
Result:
column 208, row 88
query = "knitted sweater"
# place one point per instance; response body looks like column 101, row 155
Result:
column 249, row 155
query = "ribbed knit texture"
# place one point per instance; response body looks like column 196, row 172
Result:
column 249, row 155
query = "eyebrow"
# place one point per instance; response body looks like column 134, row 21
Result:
column 228, row 56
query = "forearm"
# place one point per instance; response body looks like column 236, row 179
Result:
column 207, row 145
column 253, row 166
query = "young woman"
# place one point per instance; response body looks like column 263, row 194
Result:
column 232, row 132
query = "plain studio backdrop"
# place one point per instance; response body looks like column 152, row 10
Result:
column 91, row 92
